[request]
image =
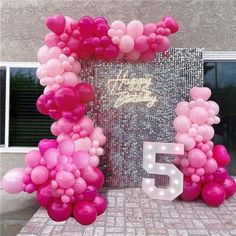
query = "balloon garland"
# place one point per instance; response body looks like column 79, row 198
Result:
column 203, row 164
column 64, row 172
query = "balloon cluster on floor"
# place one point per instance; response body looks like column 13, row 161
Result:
column 64, row 172
column 203, row 164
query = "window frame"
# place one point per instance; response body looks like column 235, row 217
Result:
column 207, row 56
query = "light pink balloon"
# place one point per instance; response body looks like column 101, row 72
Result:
column 188, row 142
column 126, row 44
column 80, row 185
column 135, row 28
column 98, row 135
column 83, row 144
column 149, row 28
column 118, row 25
column 70, row 79
column 65, row 179
column 86, row 124
column 76, row 67
column 94, row 161
column 51, row 39
column 198, row 115
column 89, row 174
column 54, row 52
column 210, row 166
column 214, row 106
column 133, row 55
column 81, row 159
column 65, row 126
column 182, row 108
column 39, row 175
column 66, row 147
column 12, row 181
column 43, row 55
column 54, row 67
column 182, row 124
column 197, row 92
column 51, row 157
column 197, row 158
column 209, row 134
column 32, row 158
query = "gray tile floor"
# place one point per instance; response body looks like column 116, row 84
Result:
column 131, row 212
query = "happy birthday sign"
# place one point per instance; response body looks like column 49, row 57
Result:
column 129, row 89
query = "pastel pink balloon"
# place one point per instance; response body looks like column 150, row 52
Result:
column 51, row 157
column 198, row 115
column 51, row 39
column 133, row 55
column 210, row 166
column 54, row 52
column 197, row 158
column 94, row 161
column 118, row 25
column 65, row 179
column 135, row 28
column 79, row 185
column 12, row 181
column 83, row 144
column 182, row 108
column 98, row 135
column 149, row 28
column 214, row 106
column 76, row 67
column 86, row 124
column 126, row 44
column 39, row 175
column 32, row 158
column 64, row 125
column 54, row 67
column 182, row 124
column 81, row 159
column 209, row 133
column 67, row 147
column 43, row 55
column 141, row 44
column 70, row 79
column 197, row 92
column 188, row 142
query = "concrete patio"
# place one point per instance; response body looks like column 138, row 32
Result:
column 131, row 212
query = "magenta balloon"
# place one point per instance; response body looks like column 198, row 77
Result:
column 85, row 213
column 220, row 155
column 65, row 99
column 12, row 181
column 98, row 181
column 87, row 26
column 85, row 92
column 44, row 195
column 141, row 43
column 110, row 52
column 59, row 211
column 90, row 193
column 100, row 204
column 191, row 190
column 171, row 24
column 56, row 24
column 45, row 144
column 213, row 194
column 229, row 186
column 220, row 175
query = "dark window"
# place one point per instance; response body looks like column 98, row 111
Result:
column 220, row 77
column 2, row 103
column 26, row 126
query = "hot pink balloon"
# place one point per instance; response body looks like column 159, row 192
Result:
column 12, row 181
column 220, row 155
column 44, row 195
column 141, row 44
column 220, row 175
column 45, row 144
column 100, row 204
column 229, row 186
column 56, row 24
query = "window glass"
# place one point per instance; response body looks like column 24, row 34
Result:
column 26, row 126
column 220, row 77
column 2, row 103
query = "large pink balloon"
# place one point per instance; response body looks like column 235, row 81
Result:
column 213, row 194
column 80, row 185
column 65, row 179
column 188, row 142
column 220, row 155
column 51, row 157
column 59, row 211
column 32, row 158
column 210, row 166
column 126, row 44
column 229, row 186
column 191, row 190
column 85, row 213
column 198, row 115
column 12, row 181
column 39, row 174
column 182, row 108
column 200, row 92
column 45, row 144
column 81, row 159
column 182, row 124
column 67, row 147
column 100, row 204
column 44, row 195
column 197, row 158
column 135, row 28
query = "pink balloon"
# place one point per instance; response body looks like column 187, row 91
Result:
column 65, row 179
column 149, row 28
column 220, row 175
column 43, row 54
column 126, row 44
column 56, row 24
column 210, row 166
column 200, row 92
column 118, row 25
column 98, row 135
column 213, row 194
column 133, row 55
column 197, row 158
column 220, row 155
column 100, row 204
column 51, row 39
column 80, row 185
column 198, row 115
column 66, row 147
column 59, row 211
column 51, row 157
column 164, row 45
column 83, row 144
column 171, row 24
column 70, row 79
column 182, row 108
column 64, row 125
column 81, row 159
column 214, row 106
column 148, row 55
column 141, row 44
column 191, row 191
column 189, row 142
column 32, row 158
column 87, row 125
column 85, row 92
column 135, row 28
column 39, row 174
column 229, row 186
column 89, row 194
column 209, row 133
column 44, row 195
column 54, row 67
column 85, row 213
column 12, row 181
column 182, row 124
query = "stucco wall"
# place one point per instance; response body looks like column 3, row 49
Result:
column 210, row 24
